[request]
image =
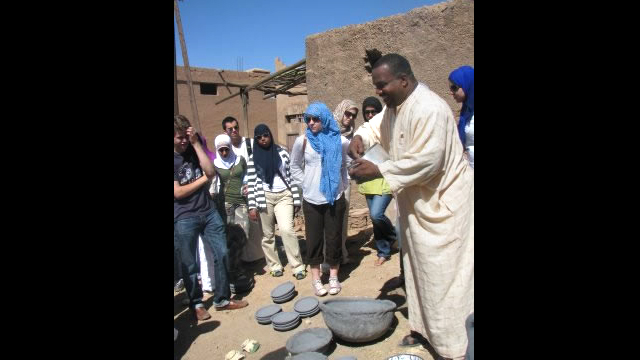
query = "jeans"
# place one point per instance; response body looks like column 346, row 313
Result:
column 177, row 270
column 212, row 230
column 383, row 230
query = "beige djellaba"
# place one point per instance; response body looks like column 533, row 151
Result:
column 434, row 191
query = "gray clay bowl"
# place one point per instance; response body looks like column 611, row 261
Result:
column 285, row 318
column 309, row 340
column 309, row 356
column 284, row 299
column 283, row 289
column 358, row 319
column 268, row 311
column 306, row 304
column 288, row 327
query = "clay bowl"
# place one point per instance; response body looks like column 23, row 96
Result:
column 358, row 319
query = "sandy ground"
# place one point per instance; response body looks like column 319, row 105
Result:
column 227, row 330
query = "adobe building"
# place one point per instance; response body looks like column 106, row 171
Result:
column 290, row 112
column 435, row 39
column 209, row 88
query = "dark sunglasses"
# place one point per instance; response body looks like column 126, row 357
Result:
column 236, row 128
column 258, row 137
column 454, row 88
column 350, row 114
column 312, row 118
column 372, row 112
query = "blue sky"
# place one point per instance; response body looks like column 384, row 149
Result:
column 217, row 33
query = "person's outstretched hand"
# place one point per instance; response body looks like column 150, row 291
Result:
column 364, row 170
column 356, row 147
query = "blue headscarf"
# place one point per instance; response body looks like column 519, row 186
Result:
column 328, row 144
column 463, row 77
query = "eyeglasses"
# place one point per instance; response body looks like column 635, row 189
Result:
column 454, row 88
column 350, row 114
column 223, row 150
column 312, row 118
column 371, row 112
column 258, row 137
column 236, row 128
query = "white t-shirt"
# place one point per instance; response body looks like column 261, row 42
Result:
column 278, row 184
column 242, row 149
column 468, row 130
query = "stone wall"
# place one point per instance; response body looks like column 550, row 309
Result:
column 435, row 39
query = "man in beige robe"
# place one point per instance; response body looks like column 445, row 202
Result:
column 433, row 186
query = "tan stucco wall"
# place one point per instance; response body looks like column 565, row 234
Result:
column 211, row 115
column 290, row 105
column 435, row 39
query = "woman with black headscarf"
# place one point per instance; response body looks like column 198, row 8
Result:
column 273, row 195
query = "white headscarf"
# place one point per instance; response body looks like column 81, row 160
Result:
column 221, row 141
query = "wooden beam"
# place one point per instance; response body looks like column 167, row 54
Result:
column 187, row 69
column 225, row 82
column 288, row 68
column 282, row 93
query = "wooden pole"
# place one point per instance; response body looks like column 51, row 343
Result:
column 176, row 109
column 245, row 112
column 187, row 70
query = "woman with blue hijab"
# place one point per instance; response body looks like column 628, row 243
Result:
column 461, row 86
column 319, row 165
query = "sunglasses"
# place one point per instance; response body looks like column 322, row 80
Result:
column 350, row 114
column 312, row 118
column 371, row 112
column 223, row 150
column 258, row 137
column 454, row 88
column 236, row 128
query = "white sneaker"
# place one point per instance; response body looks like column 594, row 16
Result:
column 319, row 288
column 334, row 286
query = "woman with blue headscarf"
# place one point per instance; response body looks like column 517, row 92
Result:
column 319, row 165
column 461, row 86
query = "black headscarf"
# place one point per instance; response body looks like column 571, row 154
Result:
column 267, row 161
column 371, row 101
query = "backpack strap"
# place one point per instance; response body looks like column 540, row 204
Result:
column 304, row 147
column 248, row 142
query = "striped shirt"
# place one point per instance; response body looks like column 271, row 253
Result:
column 256, row 198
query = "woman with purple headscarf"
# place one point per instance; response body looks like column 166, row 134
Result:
column 461, row 86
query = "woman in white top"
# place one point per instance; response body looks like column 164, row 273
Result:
column 319, row 164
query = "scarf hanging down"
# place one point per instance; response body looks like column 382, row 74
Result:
column 221, row 141
column 266, row 160
column 338, row 114
column 328, row 144
column 463, row 77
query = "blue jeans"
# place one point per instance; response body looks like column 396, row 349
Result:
column 212, row 230
column 383, row 230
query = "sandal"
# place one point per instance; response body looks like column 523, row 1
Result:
column 276, row 273
column 380, row 261
column 300, row 274
column 334, row 286
column 319, row 288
